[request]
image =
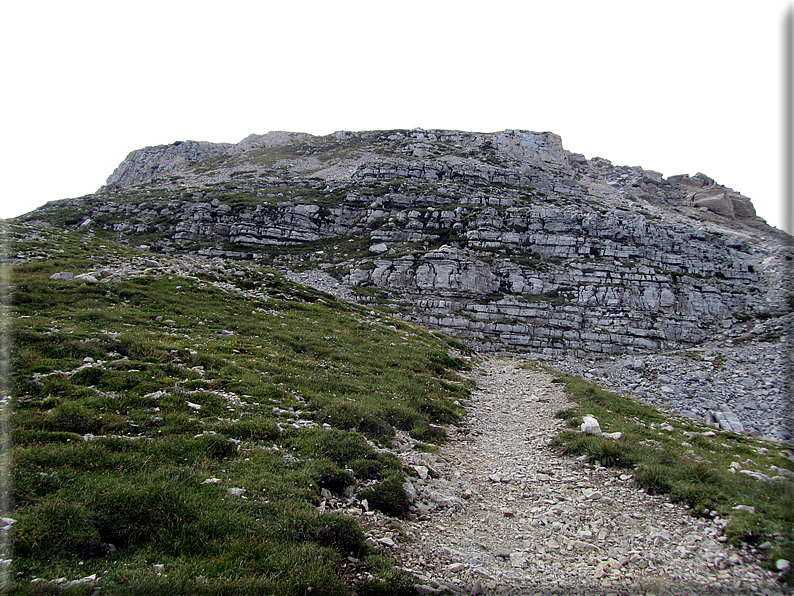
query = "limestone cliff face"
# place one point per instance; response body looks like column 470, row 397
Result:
column 503, row 239
column 150, row 163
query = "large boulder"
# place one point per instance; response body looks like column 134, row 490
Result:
column 715, row 199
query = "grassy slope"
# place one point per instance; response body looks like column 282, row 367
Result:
column 690, row 462
column 134, row 495
column 291, row 349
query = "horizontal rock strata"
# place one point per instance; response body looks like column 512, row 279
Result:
column 504, row 239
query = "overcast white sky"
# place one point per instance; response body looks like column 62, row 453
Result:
column 676, row 86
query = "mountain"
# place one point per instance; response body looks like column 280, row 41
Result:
column 505, row 240
column 186, row 418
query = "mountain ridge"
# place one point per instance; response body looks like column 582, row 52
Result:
column 522, row 147
column 505, row 240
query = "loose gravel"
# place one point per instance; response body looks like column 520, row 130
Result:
column 500, row 511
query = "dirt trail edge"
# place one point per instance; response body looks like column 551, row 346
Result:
column 499, row 511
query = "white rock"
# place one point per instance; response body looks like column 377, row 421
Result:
column 590, row 426
column 592, row 494
column 782, row 565
column 211, row 481
column 410, row 491
column 422, row 471
column 236, row 492
column 86, row 277
column 747, row 508
column 192, row 405
column 757, row 475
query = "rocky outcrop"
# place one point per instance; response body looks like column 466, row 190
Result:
column 266, row 141
column 147, row 164
column 503, row 239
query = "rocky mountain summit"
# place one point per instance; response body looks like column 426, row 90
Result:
column 504, row 240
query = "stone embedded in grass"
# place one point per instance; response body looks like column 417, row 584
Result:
column 757, row 475
column 782, row 565
column 590, row 426
column 87, row 277
column 211, row 481
column 236, row 492
column 747, row 508
column 193, row 406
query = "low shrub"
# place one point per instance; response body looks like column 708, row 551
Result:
column 429, row 432
column 388, row 496
column 54, row 527
column 247, row 430
column 337, row 531
column 335, row 479
column 338, row 446
column 351, row 417
column 608, row 452
column 366, row 469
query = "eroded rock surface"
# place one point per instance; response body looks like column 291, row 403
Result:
column 505, row 240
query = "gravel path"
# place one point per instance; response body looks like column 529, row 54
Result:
column 500, row 512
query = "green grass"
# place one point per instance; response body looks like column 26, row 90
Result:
column 190, row 382
column 696, row 474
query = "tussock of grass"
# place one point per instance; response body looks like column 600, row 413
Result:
column 283, row 395
column 388, row 496
column 696, row 474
